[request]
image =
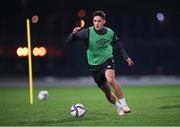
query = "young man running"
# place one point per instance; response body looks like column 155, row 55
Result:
column 100, row 41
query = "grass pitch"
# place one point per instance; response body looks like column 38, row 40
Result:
column 151, row 106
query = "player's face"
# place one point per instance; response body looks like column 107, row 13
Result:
column 98, row 22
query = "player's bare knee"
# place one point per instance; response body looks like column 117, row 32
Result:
column 111, row 81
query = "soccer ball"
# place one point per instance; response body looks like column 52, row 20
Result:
column 43, row 95
column 78, row 110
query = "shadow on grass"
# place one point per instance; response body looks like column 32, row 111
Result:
column 69, row 120
column 64, row 121
column 168, row 97
column 170, row 106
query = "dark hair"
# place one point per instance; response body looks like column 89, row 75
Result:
column 99, row 13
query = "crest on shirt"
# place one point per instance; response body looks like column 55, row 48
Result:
column 102, row 42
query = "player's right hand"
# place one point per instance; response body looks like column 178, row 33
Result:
column 76, row 30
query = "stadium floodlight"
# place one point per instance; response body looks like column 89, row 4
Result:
column 160, row 16
column 81, row 13
column 22, row 51
column 41, row 51
column 82, row 23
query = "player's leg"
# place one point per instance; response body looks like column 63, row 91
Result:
column 107, row 91
column 111, row 98
column 100, row 80
column 110, row 76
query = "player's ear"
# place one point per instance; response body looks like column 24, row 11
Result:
column 104, row 21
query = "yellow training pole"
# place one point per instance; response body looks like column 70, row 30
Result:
column 29, row 61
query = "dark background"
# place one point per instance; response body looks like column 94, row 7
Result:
column 153, row 45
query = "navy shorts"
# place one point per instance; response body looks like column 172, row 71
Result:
column 98, row 71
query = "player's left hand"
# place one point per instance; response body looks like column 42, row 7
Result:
column 130, row 62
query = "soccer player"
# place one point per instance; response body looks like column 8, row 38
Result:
column 100, row 41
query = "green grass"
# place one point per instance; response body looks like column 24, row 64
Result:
column 151, row 106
